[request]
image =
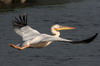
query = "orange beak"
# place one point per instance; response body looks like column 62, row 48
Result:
column 65, row 28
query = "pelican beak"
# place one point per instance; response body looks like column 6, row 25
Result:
column 65, row 28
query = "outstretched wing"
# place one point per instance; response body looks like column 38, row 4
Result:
column 85, row 41
column 21, row 28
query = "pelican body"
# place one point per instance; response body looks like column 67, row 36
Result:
column 35, row 39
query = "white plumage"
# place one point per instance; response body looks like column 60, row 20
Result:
column 27, row 33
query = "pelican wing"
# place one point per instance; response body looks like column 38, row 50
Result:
column 48, row 38
column 88, row 40
column 54, row 38
column 21, row 28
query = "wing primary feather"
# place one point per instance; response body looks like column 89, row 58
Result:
column 20, row 17
column 25, row 18
column 20, row 22
column 86, row 40
column 17, row 20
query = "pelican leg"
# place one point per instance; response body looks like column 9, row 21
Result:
column 18, row 47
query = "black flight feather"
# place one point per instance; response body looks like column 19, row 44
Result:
column 86, row 40
column 20, row 22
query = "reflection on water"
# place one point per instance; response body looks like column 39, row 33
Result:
column 9, row 5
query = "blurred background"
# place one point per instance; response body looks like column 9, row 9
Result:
column 6, row 5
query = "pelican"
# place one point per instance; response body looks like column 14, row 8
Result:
column 35, row 39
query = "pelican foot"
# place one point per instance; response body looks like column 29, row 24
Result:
column 18, row 47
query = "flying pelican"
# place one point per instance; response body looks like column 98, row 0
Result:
column 35, row 39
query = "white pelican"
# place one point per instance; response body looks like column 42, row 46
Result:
column 33, row 38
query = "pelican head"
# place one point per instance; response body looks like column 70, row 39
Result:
column 56, row 28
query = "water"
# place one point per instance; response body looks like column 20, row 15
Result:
column 84, row 15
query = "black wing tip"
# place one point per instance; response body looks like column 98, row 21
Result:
column 86, row 40
column 21, row 21
column 91, row 38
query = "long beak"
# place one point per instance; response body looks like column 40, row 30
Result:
column 65, row 28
